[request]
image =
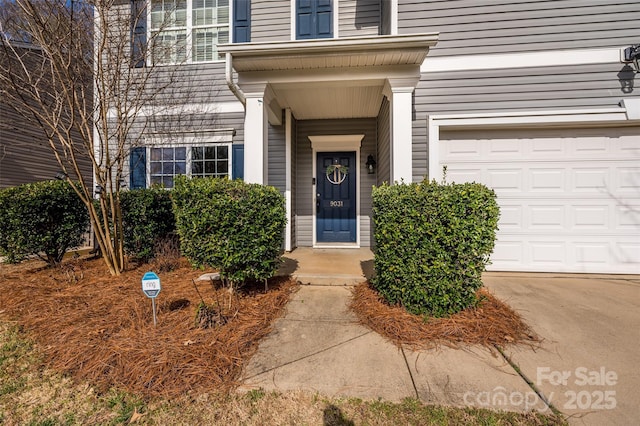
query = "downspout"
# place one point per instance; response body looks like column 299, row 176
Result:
column 235, row 89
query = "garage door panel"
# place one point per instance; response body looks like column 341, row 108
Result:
column 511, row 217
column 544, row 148
column 547, row 252
column 591, row 253
column 628, row 217
column 589, row 147
column 546, row 217
column 564, row 254
column 464, row 175
column 499, row 148
column 569, row 199
column 465, row 150
column 505, row 180
column 590, row 217
column 590, row 179
column 507, row 254
column 628, row 253
column 628, row 179
column 547, row 179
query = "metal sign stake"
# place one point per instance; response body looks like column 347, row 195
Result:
column 153, row 304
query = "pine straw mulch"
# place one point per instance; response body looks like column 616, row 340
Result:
column 491, row 324
column 100, row 328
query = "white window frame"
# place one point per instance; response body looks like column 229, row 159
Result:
column 189, row 28
column 188, row 166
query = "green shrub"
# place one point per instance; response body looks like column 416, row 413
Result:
column 147, row 219
column 433, row 242
column 43, row 218
column 229, row 225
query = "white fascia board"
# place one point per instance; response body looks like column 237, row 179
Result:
column 549, row 58
column 363, row 43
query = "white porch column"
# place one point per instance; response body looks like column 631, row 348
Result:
column 399, row 92
column 288, row 243
column 256, row 153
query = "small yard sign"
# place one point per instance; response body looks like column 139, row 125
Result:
column 151, row 287
column 151, row 284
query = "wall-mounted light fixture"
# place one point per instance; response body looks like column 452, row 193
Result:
column 371, row 165
column 631, row 55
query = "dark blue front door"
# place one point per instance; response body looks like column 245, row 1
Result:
column 336, row 197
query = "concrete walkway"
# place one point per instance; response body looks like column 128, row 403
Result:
column 590, row 324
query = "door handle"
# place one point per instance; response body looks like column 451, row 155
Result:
column 318, row 201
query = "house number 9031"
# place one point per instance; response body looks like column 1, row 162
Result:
column 336, row 203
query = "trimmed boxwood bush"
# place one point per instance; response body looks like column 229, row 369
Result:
column 433, row 242
column 232, row 226
column 147, row 218
column 44, row 219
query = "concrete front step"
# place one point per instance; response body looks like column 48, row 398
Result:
column 332, row 279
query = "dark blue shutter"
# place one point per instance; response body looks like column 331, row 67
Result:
column 237, row 159
column 138, row 33
column 138, row 168
column 324, row 18
column 241, row 21
column 314, row 19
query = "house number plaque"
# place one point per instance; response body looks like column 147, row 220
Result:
column 336, row 203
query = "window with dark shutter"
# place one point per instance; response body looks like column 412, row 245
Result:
column 241, row 21
column 314, row 19
column 138, row 168
column 138, row 33
column 237, row 159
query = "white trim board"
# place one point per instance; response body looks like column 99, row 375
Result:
column 183, row 109
column 549, row 58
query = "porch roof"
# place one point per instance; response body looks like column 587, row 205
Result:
column 329, row 78
column 408, row 49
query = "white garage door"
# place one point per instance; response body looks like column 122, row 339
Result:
column 569, row 198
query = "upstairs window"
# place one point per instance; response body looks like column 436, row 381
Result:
column 188, row 30
column 314, row 19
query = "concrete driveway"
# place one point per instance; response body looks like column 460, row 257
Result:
column 589, row 363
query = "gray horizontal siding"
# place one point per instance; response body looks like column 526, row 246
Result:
column 359, row 17
column 277, row 160
column 304, row 172
column 270, row 20
column 521, row 89
column 25, row 155
column 192, row 83
column 485, row 26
